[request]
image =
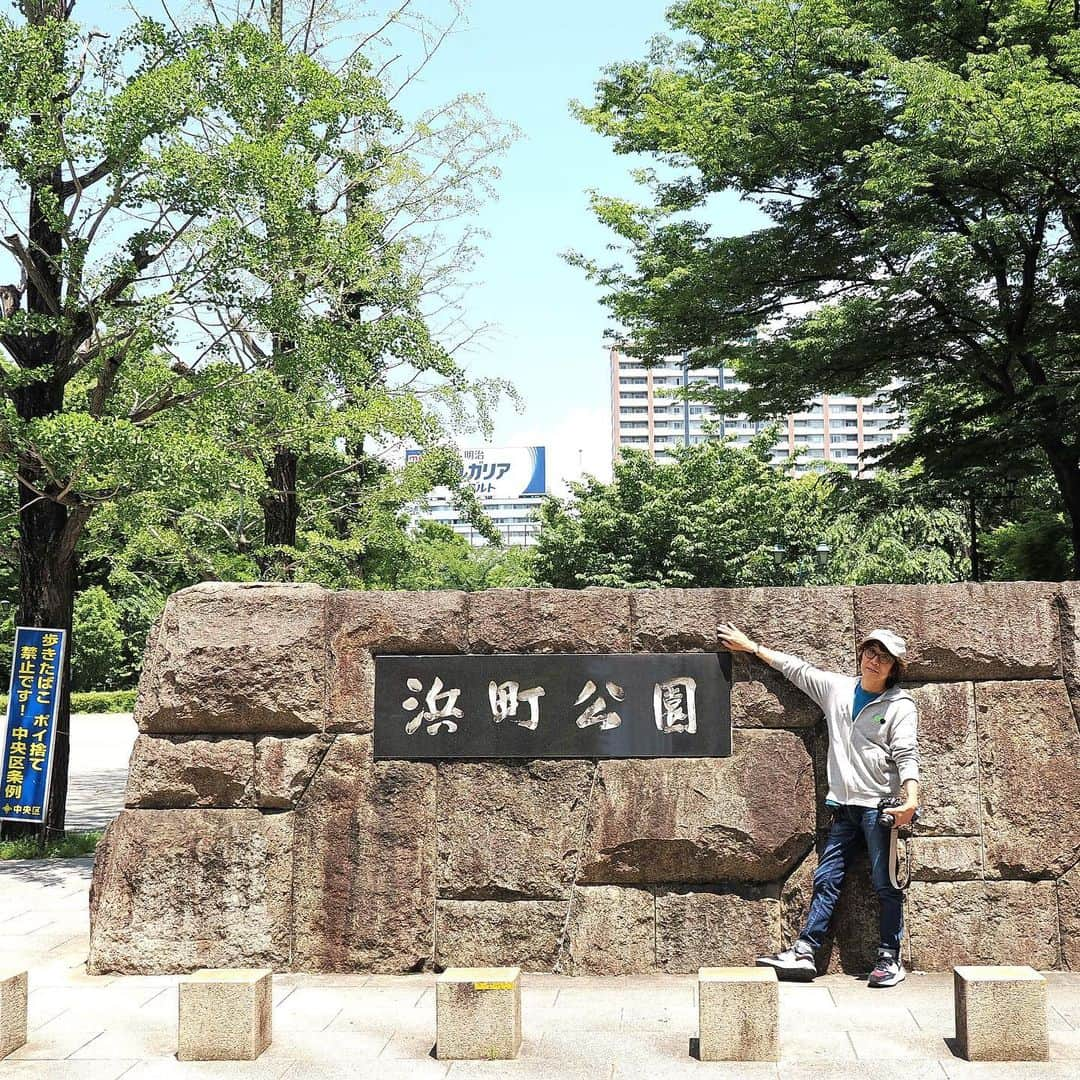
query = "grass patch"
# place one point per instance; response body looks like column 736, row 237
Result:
column 70, row 846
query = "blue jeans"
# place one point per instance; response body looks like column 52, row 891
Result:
column 853, row 825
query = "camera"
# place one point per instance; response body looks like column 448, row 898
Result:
column 887, row 820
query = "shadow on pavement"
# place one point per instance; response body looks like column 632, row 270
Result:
column 94, row 799
column 48, row 871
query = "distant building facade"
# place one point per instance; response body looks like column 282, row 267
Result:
column 835, row 428
column 510, row 483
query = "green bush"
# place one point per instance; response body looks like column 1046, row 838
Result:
column 96, row 701
column 103, row 701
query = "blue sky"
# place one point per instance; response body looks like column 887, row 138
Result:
column 529, row 61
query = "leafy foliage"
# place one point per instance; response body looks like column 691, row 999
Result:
column 98, row 663
column 718, row 515
column 918, row 165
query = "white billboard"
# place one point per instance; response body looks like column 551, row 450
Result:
column 501, row 472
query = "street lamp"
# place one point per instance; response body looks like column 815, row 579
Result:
column 800, row 573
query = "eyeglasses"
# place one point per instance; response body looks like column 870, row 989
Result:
column 872, row 652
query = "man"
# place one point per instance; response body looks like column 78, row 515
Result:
column 872, row 725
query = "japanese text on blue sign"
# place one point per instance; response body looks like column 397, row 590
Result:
column 574, row 705
column 33, row 704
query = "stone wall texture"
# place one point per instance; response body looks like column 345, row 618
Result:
column 261, row 832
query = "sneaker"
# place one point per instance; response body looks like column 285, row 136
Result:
column 888, row 970
column 795, row 963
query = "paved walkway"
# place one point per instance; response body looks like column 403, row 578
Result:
column 383, row 1027
column 100, row 748
column 337, row 1026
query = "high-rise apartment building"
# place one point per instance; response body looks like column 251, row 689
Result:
column 834, row 427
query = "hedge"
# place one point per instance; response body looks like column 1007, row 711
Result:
column 98, row 701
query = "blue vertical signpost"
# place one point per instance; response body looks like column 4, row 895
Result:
column 32, row 716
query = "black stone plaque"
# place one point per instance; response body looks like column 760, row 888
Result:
column 573, row 705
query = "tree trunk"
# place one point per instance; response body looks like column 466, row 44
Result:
column 1067, row 473
column 48, row 577
column 280, row 511
column 973, row 530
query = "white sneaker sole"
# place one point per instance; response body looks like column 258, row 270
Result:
column 900, row 976
column 794, row 974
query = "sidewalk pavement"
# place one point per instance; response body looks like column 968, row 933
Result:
column 383, row 1026
column 328, row 1027
column 100, row 747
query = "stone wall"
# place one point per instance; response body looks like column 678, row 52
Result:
column 260, row 832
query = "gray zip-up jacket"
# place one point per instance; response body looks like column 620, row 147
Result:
column 870, row 755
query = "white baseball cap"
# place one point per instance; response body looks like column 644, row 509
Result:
column 893, row 642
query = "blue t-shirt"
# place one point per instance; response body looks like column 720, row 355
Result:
column 862, row 699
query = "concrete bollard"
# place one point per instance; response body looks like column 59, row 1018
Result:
column 225, row 1014
column 1001, row 1014
column 13, row 997
column 478, row 1014
column 738, row 1014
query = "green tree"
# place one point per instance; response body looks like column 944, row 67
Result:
column 97, row 658
column 720, row 515
column 436, row 557
column 918, row 164
column 885, row 530
column 123, row 163
column 712, row 516
column 1033, row 548
column 341, row 261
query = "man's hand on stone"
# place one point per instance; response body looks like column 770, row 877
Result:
column 734, row 640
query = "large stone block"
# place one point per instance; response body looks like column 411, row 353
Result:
column 762, row 698
column 1003, row 630
column 178, row 890
column 982, row 922
column 476, row 933
column 178, row 772
column 14, row 994
column 1069, row 601
column 237, row 658
column 549, row 620
column 510, row 830
column 945, row 858
column 714, row 929
column 478, row 1014
column 362, row 625
column 612, row 932
column 364, row 881
column 284, row 768
column 1029, row 756
column 1001, row 1014
column 1068, row 897
column 948, row 759
column 748, row 817
column 738, row 1014
column 225, row 1015
column 675, row 620
column 814, row 624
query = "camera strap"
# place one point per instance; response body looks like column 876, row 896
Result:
column 894, row 862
